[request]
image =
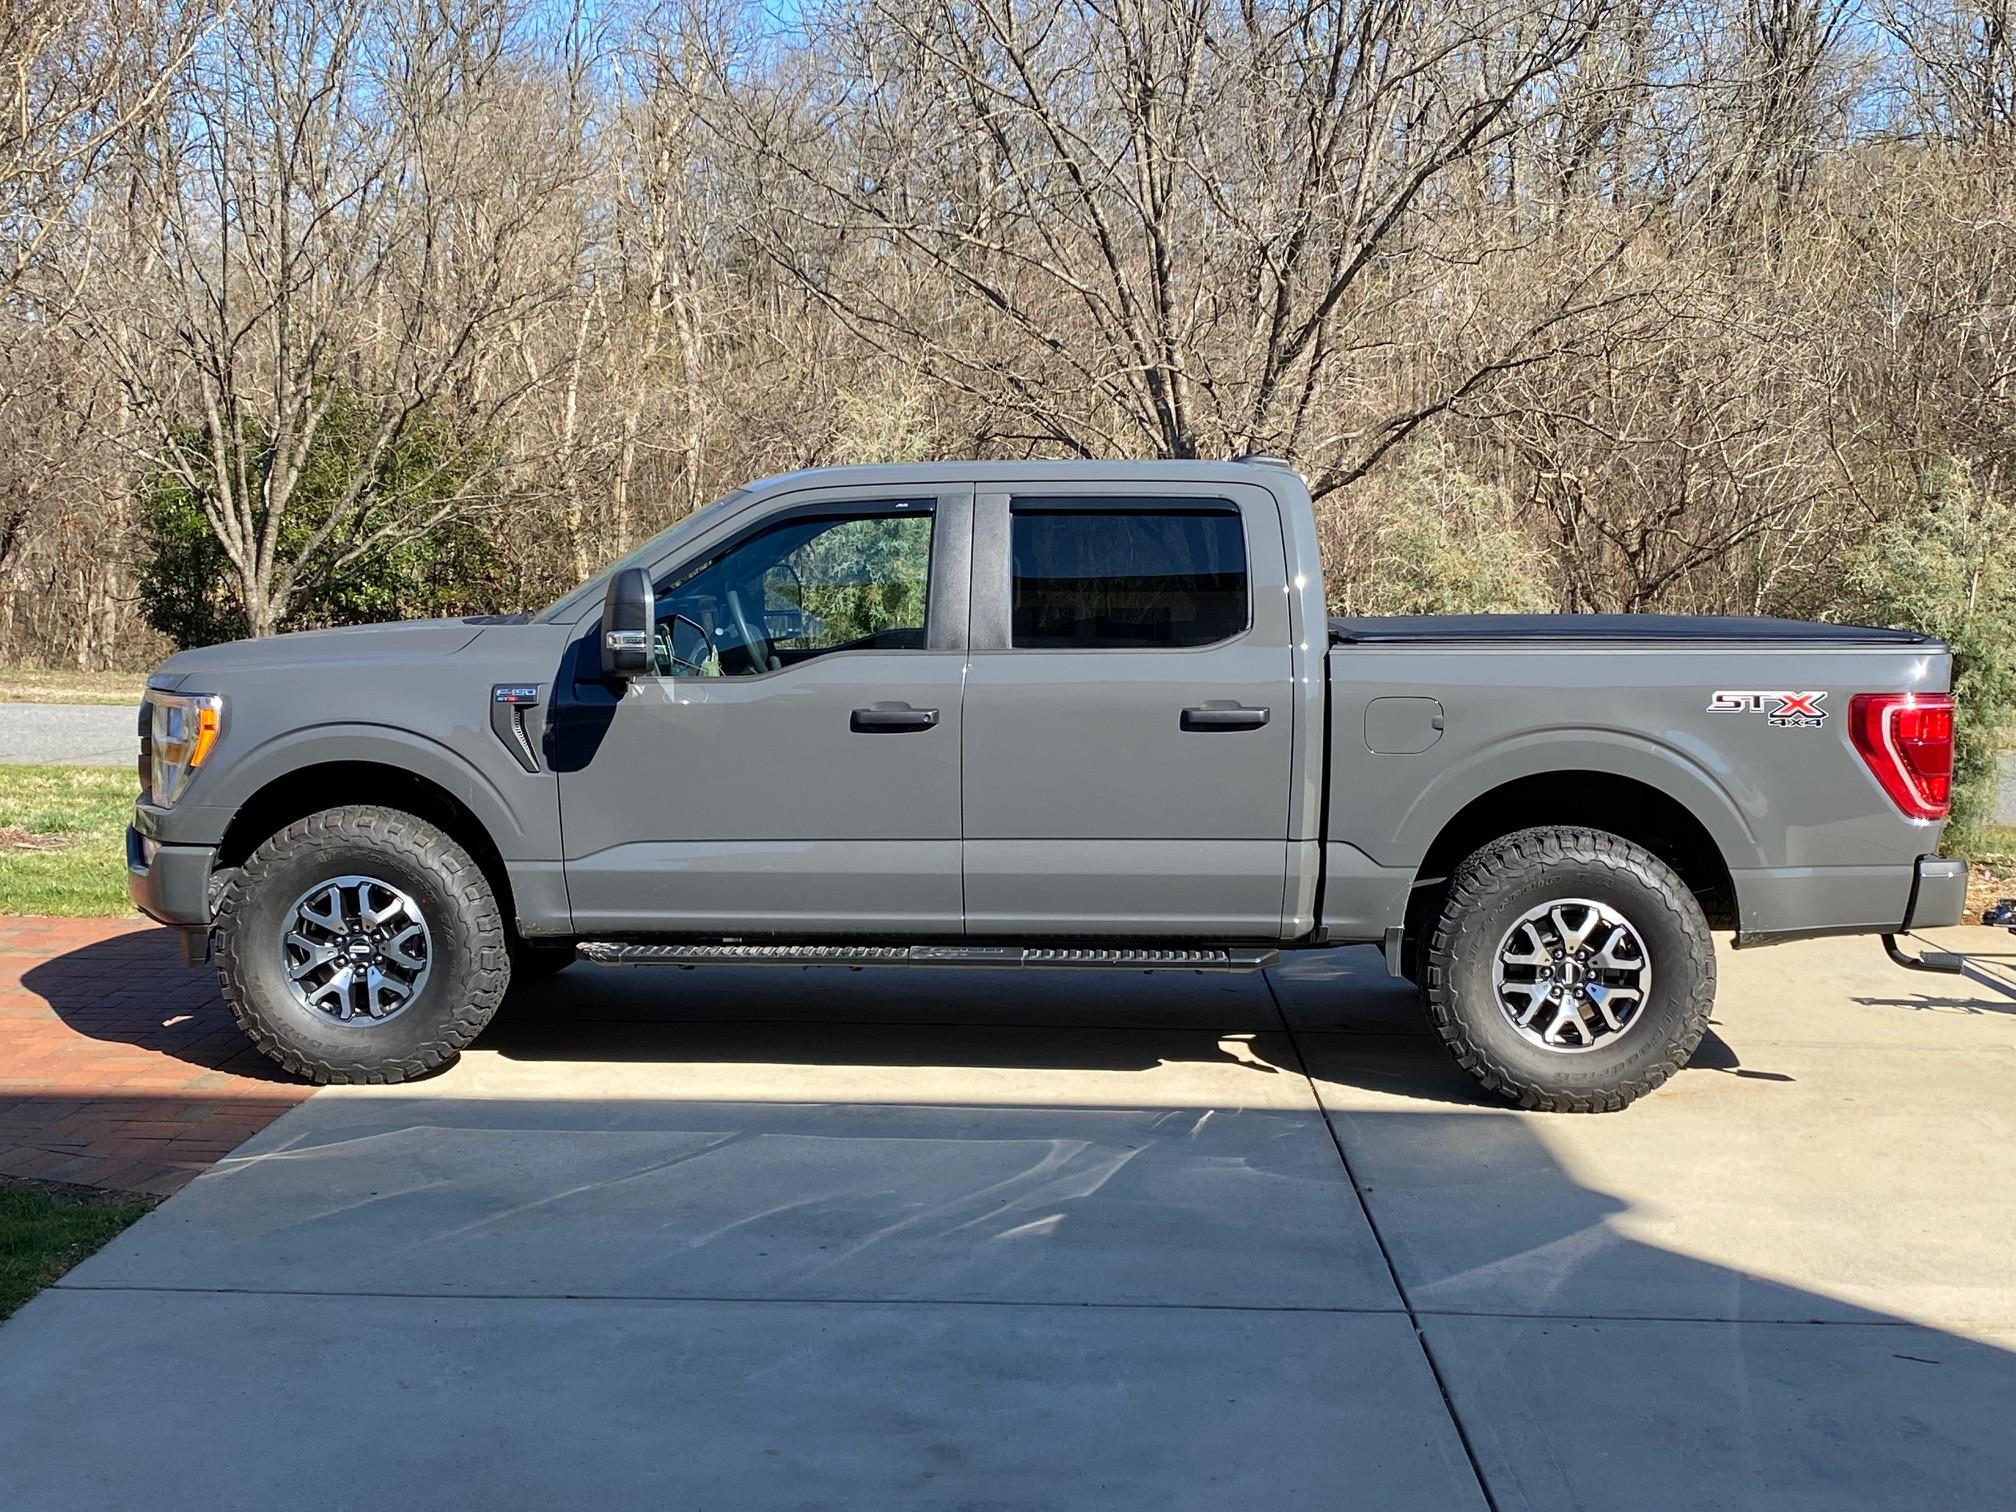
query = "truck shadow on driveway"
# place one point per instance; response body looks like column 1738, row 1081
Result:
column 1994, row 976
column 838, row 1016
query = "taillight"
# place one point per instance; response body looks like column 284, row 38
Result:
column 1907, row 739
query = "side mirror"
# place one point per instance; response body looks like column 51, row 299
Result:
column 626, row 625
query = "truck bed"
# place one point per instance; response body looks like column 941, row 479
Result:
column 1691, row 629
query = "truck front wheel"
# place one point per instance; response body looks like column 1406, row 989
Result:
column 361, row 944
column 1569, row 970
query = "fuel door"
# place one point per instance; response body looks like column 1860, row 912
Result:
column 1402, row 726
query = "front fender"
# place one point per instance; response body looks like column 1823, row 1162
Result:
column 225, row 790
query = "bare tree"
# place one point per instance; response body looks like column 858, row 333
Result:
column 342, row 196
column 1669, row 303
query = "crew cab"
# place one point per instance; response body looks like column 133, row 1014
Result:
column 1071, row 715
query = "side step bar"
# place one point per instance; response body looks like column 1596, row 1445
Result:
column 1042, row 957
column 1943, row 961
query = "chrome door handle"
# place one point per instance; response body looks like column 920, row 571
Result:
column 891, row 719
column 1224, row 717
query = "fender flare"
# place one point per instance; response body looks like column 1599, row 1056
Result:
column 1714, row 798
column 379, row 745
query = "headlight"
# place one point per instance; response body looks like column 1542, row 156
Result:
column 181, row 729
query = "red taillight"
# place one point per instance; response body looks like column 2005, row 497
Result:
column 1907, row 739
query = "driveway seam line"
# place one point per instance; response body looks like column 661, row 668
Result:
column 670, row 1297
column 1339, row 1309
column 1393, row 1271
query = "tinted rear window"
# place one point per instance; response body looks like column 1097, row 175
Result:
column 1127, row 578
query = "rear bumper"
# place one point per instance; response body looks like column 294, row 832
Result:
column 1938, row 894
column 169, row 883
column 1810, row 902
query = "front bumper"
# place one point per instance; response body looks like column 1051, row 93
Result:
column 169, row 883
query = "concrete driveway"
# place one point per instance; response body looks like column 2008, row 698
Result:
column 818, row 1238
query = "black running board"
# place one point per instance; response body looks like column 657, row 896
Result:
column 1034, row 957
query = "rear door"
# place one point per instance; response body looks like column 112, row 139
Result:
column 1127, row 737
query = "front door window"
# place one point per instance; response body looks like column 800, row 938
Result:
column 803, row 587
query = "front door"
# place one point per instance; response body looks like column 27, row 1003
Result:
column 793, row 767
column 1129, row 718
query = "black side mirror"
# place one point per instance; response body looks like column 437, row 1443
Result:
column 626, row 625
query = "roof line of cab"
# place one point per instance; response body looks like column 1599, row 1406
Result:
column 901, row 473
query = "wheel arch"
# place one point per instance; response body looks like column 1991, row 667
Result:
column 300, row 791
column 1628, row 807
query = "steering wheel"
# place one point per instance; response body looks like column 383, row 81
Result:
column 756, row 646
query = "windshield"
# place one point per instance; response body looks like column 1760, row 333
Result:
column 643, row 556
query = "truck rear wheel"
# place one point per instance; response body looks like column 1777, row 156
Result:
column 1569, row 970
column 361, row 944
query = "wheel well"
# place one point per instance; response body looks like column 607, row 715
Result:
column 1593, row 800
column 332, row 784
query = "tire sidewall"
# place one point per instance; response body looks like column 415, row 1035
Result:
column 1682, row 973
column 267, row 891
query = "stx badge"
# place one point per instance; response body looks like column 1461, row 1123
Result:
column 1787, row 711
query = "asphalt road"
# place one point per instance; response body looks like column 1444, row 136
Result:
column 778, row 1239
column 67, row 734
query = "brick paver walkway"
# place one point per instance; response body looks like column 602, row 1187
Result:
column 119, row 1067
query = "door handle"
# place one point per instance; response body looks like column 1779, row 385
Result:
column 891, row 719
column 1225, row 717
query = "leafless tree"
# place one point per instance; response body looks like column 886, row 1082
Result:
column 341, row 199
column 1668, row 303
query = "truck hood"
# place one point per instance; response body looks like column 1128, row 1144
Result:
column 404, row 641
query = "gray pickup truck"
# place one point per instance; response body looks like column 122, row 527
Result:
column 1052, row 715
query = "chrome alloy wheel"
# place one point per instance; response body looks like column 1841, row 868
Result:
column 355, row 948
column 1572, row 975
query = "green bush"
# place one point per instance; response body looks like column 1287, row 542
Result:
column 1946, row 565
column 190, row 589
column 1450, row 544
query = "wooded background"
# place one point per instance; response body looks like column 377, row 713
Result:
column 317, row 312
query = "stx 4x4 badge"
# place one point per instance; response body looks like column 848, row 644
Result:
column 1786, row 711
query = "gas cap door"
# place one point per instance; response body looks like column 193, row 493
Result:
column 1402, row 726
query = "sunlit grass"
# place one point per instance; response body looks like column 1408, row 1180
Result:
column 63, row 839
column 39, row 685
column 44, row 1230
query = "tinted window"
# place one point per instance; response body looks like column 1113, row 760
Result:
column 801, row 588
column 1171, row 576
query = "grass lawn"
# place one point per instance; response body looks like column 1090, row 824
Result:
column 63, row 839
column 39, row 685
column 45, row 1229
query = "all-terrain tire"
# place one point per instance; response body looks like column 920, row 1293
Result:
column 1491, row 891
column 469, row 964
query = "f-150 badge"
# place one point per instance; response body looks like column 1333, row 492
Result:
column 1786, row 711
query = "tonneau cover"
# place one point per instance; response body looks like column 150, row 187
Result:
column 1655, row 628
